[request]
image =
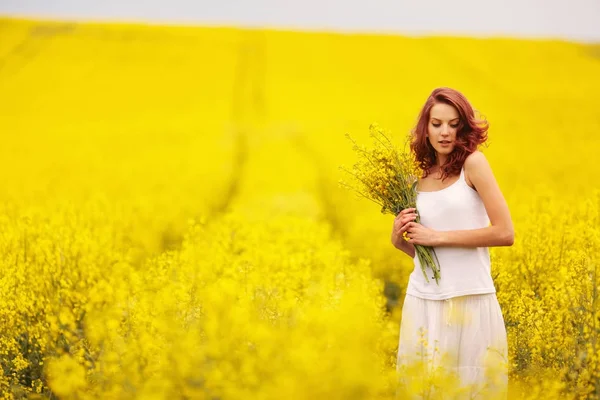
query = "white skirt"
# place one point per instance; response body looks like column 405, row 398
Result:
column 456, row 344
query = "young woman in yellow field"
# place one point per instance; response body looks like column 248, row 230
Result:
column 462, row 213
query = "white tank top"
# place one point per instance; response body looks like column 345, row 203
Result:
column 463, row 270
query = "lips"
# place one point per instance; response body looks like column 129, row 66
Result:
column 445, row 142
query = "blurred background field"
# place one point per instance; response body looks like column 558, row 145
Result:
column 172, row 225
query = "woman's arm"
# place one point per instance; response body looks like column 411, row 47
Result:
column 406, row 247
column 501, row 231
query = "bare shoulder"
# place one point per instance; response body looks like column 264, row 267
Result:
column 476, row 159
column 477, row 168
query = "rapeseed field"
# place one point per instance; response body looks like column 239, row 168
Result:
column 171, row 224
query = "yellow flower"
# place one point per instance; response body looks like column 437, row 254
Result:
column 66, row 376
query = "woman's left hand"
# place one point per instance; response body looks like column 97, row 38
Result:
column 418, row 234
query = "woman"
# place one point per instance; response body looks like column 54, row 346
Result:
column 456, row 324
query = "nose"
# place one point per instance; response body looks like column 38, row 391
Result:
column 445, row 130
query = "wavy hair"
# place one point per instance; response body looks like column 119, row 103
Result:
column 471, row 132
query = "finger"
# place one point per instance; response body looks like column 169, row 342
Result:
column 412, row 226
column 401, row 224
column 406, row 217
column 410, row 217
column 407, row 211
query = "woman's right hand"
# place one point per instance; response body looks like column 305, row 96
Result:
column 400, row 226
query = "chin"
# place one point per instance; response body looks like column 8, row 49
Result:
column 445, row 151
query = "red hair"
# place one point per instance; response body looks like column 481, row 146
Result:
column 471, row 132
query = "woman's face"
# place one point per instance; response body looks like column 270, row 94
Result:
column 442, row 127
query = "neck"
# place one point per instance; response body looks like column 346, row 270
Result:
column 440, row 160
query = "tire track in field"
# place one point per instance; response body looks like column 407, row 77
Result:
column 247, row 101
column 248, row 104
column 391, row 290
column 28, row 49
column 329, row 209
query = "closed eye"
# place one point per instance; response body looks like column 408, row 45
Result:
column 451, row 126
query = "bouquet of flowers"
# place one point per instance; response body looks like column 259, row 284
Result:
column 388, row 177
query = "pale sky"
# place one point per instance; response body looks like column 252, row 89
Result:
column 568, row 19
